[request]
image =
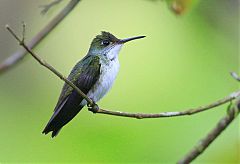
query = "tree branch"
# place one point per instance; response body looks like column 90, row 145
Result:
column 95, row 109
column 191, row 111
column 235, row 76
column 19, row 55
column 47, row 7
column 45, row 64
column 203, row 144
column 233, row 111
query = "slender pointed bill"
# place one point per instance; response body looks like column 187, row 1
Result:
column 130, row 39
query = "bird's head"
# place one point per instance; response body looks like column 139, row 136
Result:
column 108, row 45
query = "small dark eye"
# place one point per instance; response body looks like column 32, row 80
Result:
column 105, row 42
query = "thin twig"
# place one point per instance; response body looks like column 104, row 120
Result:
column 94, row 108
column 19, row 55
column 49, row 6
column 45, row 64
column 232, row 112
column 235, row 76
column 24, row 31
column 172, row 114
column 203, row 144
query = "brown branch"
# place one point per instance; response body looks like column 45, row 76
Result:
column 172, row 114
column 45, row 64
column 47, row 7
column 94, row 108
column 19, row 55
column 233, row 111
column 203, row 144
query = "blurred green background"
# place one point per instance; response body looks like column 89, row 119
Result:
column 183, row 62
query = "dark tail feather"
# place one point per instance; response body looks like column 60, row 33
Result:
column 52, row 126
column 58, row 120
column 54, row 132
column 65, row 113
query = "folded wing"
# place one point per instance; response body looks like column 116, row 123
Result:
column 84, row 75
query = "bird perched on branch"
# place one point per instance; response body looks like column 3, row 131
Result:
column 93, row 75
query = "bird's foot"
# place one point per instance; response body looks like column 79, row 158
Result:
column 93, row 107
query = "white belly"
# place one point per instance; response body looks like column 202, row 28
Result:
column 108, row 74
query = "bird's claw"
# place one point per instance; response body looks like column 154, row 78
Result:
column 93, row 107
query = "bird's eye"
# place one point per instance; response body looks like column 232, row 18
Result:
column 105, row 42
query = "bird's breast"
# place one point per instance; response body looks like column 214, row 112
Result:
column 108, row 74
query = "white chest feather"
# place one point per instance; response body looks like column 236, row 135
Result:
column 108, row 74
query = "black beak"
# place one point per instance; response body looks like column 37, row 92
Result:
column 122, row 41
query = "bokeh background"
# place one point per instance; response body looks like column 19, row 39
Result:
column 183, row 62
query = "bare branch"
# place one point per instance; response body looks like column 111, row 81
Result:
column 48, row 66
column 191, row 111
column 94, row 108
column 233, row 111
column 203, row 144
column 23, row 32
column 235, row 76
column 19, row 55
column 49, row 6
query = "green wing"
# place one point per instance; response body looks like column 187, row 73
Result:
column 80, row 71
column 84, row 75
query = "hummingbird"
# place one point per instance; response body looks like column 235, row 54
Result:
column 94, row 75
